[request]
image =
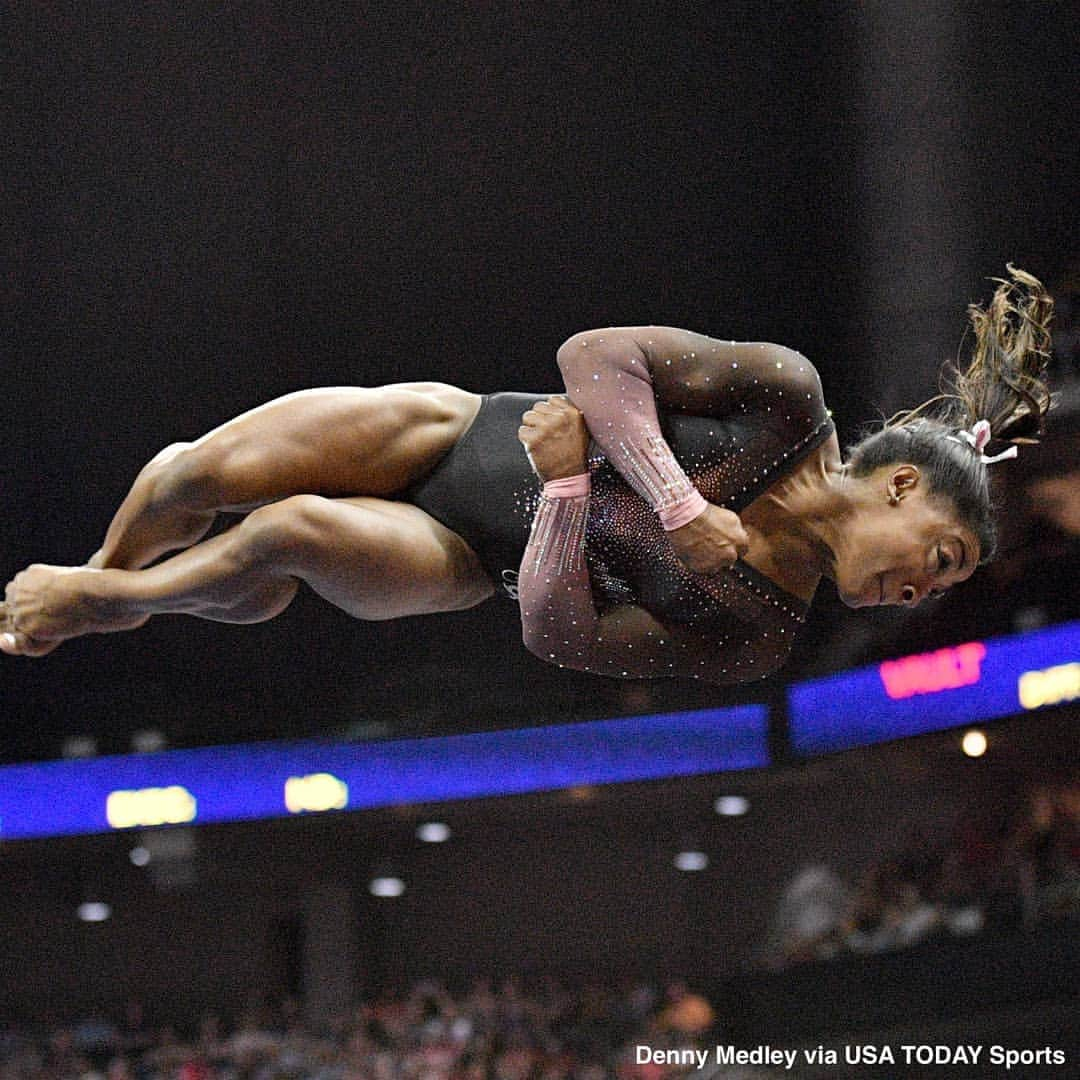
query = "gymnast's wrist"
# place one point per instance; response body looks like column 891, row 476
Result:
column 568, row 487
column 683, row 512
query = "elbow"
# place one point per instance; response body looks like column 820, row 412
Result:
column 553, row 650
column 582, row 343
column 542, row 650
column 584, row 352
column 536, row 642
column 586, row 347
column 573, row 355
column 532, row 643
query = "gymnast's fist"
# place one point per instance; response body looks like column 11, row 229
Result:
column 554, row 435
column 712, row 542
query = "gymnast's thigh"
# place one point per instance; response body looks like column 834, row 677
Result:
column 332, row 441
column 378, row 559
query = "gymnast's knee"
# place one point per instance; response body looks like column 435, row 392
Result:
column 286, row 532
column 200, row 476
column 178, row 478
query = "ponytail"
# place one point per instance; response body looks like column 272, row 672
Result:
column 1003, row 381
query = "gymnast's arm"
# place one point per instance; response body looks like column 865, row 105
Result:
column 619, row 376
column 560, row 620
column 562, row 625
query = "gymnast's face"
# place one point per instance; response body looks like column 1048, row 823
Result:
column 900, row 544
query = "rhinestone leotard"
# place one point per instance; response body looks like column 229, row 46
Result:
column 599, row 585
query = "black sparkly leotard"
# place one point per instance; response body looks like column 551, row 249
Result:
column 600, row 586
column 485, row 489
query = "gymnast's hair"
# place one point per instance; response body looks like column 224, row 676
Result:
column 1002, row 384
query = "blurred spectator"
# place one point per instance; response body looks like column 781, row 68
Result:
column 1056, row 498
column 956, row 897
column 1028, row 859
column 996, row 875
column 1045, row 853
column 686, row 1013
column 889, row 911
column 809, row 918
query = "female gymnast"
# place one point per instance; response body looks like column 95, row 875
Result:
column 687, row 538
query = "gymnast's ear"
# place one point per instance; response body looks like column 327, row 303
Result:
column 902, row 479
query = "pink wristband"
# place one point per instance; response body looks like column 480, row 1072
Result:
column 682, row 513
column 569, row 487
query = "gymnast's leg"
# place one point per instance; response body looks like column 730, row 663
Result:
column 372, row 558
column 339, row 441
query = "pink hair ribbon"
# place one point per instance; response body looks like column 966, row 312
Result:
column 978, row 438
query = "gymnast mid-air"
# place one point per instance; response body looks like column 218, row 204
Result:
column 686, row 537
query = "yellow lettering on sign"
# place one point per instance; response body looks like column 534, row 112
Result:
column 150, row 806
column 315, row 793
column 1049, row 687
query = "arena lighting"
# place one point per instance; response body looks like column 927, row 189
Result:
column 433, row 832
column 386, row 886
column 139, row 856
column 79, row 746
column 691, row 860
column 732, row 805
column 973, row 743
column 149, row 741
column 94, row 911
column 247, row 782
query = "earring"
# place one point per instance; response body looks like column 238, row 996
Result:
column 894, row 499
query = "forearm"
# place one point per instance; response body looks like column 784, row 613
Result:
column 558, row 615
column 559, row 618
column 609, row 379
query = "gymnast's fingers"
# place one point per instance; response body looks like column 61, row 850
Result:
column 528, row 433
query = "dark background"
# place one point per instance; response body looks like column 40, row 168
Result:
column 208, row 205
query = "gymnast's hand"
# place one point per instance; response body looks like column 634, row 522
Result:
column 554, row 435
column 712, row 542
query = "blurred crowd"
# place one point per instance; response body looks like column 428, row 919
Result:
column 982, row 879
column 424, row 1032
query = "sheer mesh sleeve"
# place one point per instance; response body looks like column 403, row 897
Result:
column 562, row 624
column 618, row 377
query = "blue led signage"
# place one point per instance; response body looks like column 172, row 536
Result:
column 974, row 681
column 264, row 780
